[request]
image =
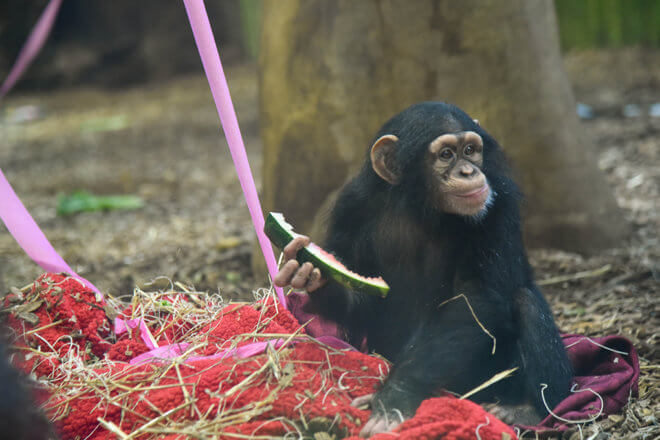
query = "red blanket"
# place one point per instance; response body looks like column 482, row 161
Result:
column 65, row 339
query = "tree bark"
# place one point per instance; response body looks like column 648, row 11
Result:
column 332, row 72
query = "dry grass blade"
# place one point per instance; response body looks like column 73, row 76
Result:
column 575, row 276
column 113, row 428
column 498, row 377
column 152, row 422
column 474, row 315
column 37, row 330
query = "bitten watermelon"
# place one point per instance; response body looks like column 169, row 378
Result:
column 281, row 233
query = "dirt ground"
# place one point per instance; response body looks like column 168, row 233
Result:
column 162, row 142
column 165, row 146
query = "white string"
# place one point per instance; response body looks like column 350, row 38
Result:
column 479, row 427
column 545, row 403
column 597, row 344
column 400, row 414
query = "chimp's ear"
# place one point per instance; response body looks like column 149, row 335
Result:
column 383, row 159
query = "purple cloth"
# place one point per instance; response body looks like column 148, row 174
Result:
column 612, row 375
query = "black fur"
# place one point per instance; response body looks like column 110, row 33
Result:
column 20, row 419
column 428, row 257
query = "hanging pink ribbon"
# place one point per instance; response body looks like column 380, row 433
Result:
column 22, row 226
column 208, row 51
column 32, row 46
column 12, row 212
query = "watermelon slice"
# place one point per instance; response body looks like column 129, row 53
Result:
column 281, row 233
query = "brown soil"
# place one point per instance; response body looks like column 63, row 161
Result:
column 195, row 227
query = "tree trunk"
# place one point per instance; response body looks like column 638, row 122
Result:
column 332, row 72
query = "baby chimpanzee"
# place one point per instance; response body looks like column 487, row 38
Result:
column 435, row 214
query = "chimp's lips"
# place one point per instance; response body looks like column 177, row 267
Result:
column 476, row 193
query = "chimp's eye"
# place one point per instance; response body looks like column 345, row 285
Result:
column 447, row 154
column 469, row 150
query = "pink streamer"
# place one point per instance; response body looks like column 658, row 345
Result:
column 208, row 51
column 28, row 235
column 174, row 350
column 163, row 353
column 32, row 46
column 122, row 326
column 17, row 219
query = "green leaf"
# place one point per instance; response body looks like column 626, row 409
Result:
column 233, row 277
column 83, row 201
column 108, row 123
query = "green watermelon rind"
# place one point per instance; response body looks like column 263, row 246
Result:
column 281, row 233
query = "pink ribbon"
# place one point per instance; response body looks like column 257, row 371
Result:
column 166, row 352
column 28, row 235
column 32, row 46
column 208, row 51
column 172, row 351
column 17, row 219
column 122, row 326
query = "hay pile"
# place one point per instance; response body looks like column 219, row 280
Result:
column 65, row 342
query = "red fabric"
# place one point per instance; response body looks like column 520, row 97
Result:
column 448, row 418
column 83, row 327
column 308, row 379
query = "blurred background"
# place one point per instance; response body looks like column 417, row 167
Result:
column 116, row 104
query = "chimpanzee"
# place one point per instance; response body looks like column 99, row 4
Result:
column 20, row 419
column 435, row 213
